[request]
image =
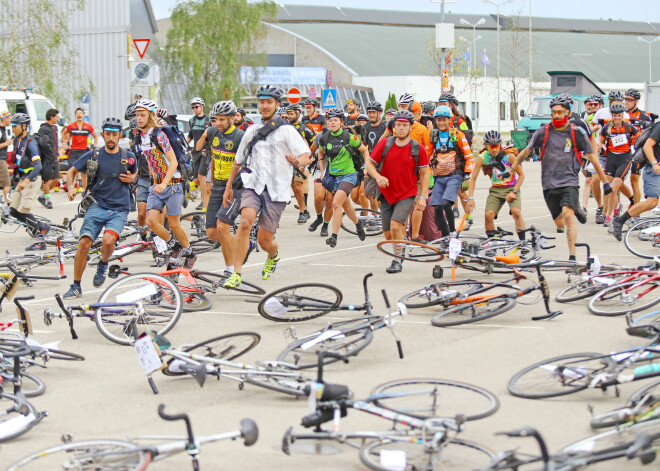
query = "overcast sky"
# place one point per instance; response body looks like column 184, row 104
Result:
column 639, row 10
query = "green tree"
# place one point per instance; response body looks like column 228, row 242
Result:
column 210, row 40
column 391, row 102
column 36, row 51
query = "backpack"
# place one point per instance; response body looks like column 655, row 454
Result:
column 469, row 133
column 92, row 170
column 639, row 157
column 355, row 154
column 573, row 142
column 414, row 151
column 45, row 147
column 453, row 137
column 179, row 146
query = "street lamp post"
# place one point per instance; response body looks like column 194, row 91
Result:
column 497, row 6
column 639, row 38
column 442, row 20
column 474, row 34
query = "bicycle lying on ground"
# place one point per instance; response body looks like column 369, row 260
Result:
column 642, row 405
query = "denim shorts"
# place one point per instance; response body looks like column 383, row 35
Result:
column 446, row 188
column 651, row 183
column 351, row 178
column 96, row 218
column 172, row 197
column 143, row 185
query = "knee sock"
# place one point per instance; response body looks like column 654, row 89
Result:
column 449, row 214
column 440, row 220
column 623, row 217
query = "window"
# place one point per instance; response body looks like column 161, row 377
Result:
column 566, row 82
column 540, row 107
column 513, row 110
column 40, row 108
column 475, row 110
column 18, row 107
column 502, row 111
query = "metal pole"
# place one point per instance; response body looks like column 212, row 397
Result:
column 442, row 51
column 650, row 68
column 530, row 52
column 498, row 69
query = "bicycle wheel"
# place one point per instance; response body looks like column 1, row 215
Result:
column 31, row 385
column 650, row 409
column 217, row 280
column 16, row 417
column 437, row 293
column 409, row 250
column 452, row 455
column 225, row 347
column 371, row 222
column 348, row 341
column 643, row 238
column 558, row 376
column 632, row 296
column 278, row 379
column 54, row 354
column 474, row 311
column 91, row 454
column 150, row 303
column 195, row 302
column 426, row 398
column 300, row 302
column 620, row 437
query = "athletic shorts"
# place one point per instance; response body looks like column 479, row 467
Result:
column 618, row 165
column 446, row 188
column 497, row 198
column 634, row 168
column 217, row 212
column 651, row 183
column 200, row 164
column 271, row 211
column 50, row 170
column 143, row 185
column 557, row 198
column 96, row 218
column 5, row 179
column 22, row 201
column 398, row 211
column 172, row 197
column 75, row 154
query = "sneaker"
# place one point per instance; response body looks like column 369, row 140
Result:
column 49, row 204
column 74, row 292
column 456, row 213
column 468, row 224
column 99, row 278
column 395, row 267
column 301, row 218
column 324, row 230
column 617, row 226
column 175, row 251
column 360, row 231
column 234, row 281
column 313, row 226
column 199, row 207
column 331, row 241
column 189, row 260
column 42, row 200
column 610, row 229
column 581, row 215
column 600, row 217
column 307, row 215
column 36, row 246
column 617, row 210
column 269, row 267
column 561, row 230
column 608, row 221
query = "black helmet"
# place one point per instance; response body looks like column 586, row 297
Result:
column 562, row 100
column 594, row 99
column 492, row 138
column 240, row 111
column 20, row 118
column 615, row 96
column 335, row 113
column 633, row 93
column 567, row 97
column 449, row 98
column 132, row 124
column 270, row 91
column 294, row 107
column 428, row 107
column 312, row 101
column 374, row 106
column 111, row 124
column 404, row 115
column 362, row 117
column 390, row 111
column 617, row 108
column 130, row 112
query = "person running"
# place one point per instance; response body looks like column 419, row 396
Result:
column 451, row 166
column 50, row 165
column 403, row 163
column 299, row 184
column 166, row 188
column 495, row 163
column 640, row 119
column 5, row 179
column 592, row 104
column 340, row 146
column 562, row 143
column 315, row 120
column 78, row 133
column 111, row 172
column 200, row 160
column 269, row 160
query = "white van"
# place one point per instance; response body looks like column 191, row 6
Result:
column 22, row 100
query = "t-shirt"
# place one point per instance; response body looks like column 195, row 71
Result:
column 638, row 116
column 158, row 162
column 655, row 135
column 223, row 149
column 27, row 153
column 335, row 147
column 559, row 166
column 351, row 120
column 3, row 139
column 496, row 166
column 79, row 136
column 306, row 132
column 616, row 139
column 373, row 133
column 197, row 127
column 399, row 169
column 316, row 122
column 108, row 190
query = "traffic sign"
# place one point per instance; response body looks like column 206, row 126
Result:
column 330, row 98
column 141, row 46
column 312, row 93
column 293, row 95
column 142, row 74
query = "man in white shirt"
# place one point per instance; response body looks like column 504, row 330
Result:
column 269, row 151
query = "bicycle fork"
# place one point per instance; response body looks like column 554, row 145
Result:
column 545, row 292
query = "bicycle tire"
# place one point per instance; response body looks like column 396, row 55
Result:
column 300, row 302
column 579, row 366
column 195, row 302
column 619, row 297
column 436, row 293
column 621, row 437
column 284, row 383
column 640, row 243
column 576, row 291
column 474, row 311
column 217, row 280
column 464, row 456
column 55, row 456
column 349, row 342
column 20, row 423
column 620, row 416
column 224, row 347
column 372, row 222
column 55, row 354
column 412, row 251
column 31, row 385
column 158, row 312
column 194, row 223
column 482, row 402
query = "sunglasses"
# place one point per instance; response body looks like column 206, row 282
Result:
column 630, row 99
column 196, row 106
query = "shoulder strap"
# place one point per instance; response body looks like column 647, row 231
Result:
column 575, row 151
column 262, row 134
column 389, row 142
column 323, row 140
column 545, row 140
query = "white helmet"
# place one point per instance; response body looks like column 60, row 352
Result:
column 405, row 99
column 148, row 105
column 224, row 108
column 197, row 101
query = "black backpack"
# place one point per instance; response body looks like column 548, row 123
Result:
column 356, row 155
column 639, row 157
column 46, row 151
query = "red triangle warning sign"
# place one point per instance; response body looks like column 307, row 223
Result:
column 141, row 46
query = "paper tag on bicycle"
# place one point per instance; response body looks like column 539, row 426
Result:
column 394, row 460
column 567, row 372
column 135, row 294
column 274, row 307
column 604, row 280
column 455, row 248
column 45, row 346
column 147, row 355
column 160, row 244
column 330, row 334
column 595, row 265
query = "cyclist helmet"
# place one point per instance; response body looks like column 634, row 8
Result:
column 270, row 91
column 130, row 113
column 20, row 118
column 449, row 98
column 405, row 99
column 335, row 113
column 633, row 93
column 404, row 115
column 362, row 117
column 594, row 99
column 567, row 97
column 148, row 105
column 111, row 124
column 312, row 101
column 132, row 124
column 615, row 96
column 442, row 112
column 374, row 106
column 617, row 108
column 428, row 107
column 162, row 113
column 390, row 111
column 295, row 107
column 240, row 111
column 281, row 110
column 224, row 108
column 492, row 138
column 562, row 100
column 197, row 101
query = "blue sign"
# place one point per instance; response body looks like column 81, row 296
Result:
column 329, row 98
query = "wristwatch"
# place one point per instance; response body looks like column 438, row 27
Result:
column 515, row 192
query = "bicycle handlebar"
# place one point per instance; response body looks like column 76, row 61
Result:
column 531, row 432
column 184, row 417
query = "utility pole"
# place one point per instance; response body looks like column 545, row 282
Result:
column 445, row 71
column 530, row 52
column 497, row 6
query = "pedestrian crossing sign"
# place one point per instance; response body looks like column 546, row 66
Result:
column 330, row 98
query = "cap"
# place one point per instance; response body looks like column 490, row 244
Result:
column 416, row 107
column 5, row 114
